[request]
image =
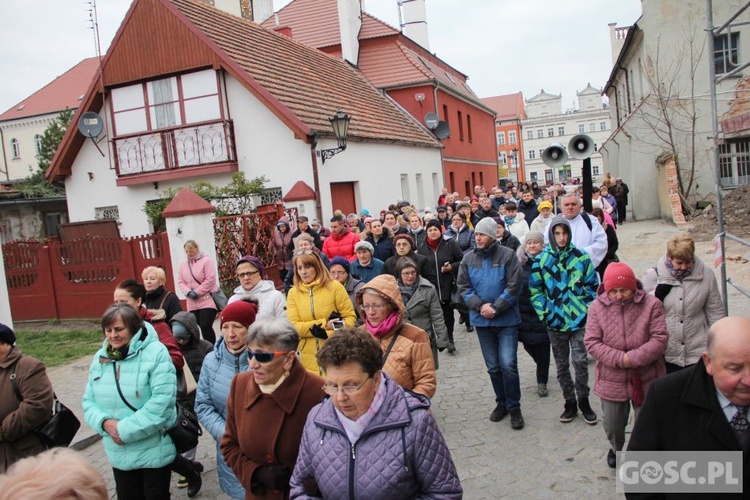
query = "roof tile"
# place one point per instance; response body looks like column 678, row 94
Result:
column 508, row 106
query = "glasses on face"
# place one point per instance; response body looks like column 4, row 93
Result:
column 409, row 273
column 374, row 307
column 338, row 273
column 348, row 389
column 247, row 274
column 265, row 357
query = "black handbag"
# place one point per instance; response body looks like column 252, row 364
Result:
column 186, row 429
column 60, row 429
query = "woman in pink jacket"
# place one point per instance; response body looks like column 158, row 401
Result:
column 197, row 279
column 627, row 334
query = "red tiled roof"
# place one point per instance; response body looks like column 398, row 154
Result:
column 316, row 23
column 309, row 83
column 187, row 202
column 65, row 91
column 508, row 106
column 300, row 192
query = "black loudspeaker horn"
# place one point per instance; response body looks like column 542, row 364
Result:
column 555, row 155
column 581, row 146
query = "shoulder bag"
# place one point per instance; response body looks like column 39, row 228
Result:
column 220, row 300
column 160, row 314
column 60, row 429
column 186, row 429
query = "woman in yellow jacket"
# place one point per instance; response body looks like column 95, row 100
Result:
column 316, row 306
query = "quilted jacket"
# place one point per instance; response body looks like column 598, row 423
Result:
column 198, row 274
column 271, row 302
column 312, row 304
column 341, row 244
column 219, row 368
column 563, row 283
column 691, row 307
column 148, row 381
column 401, row 454
column 635, row 326
column 383, row 247
column 368, row 272
column 410, row 362
column 463, row 236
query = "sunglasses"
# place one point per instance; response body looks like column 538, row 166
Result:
column 265, row 357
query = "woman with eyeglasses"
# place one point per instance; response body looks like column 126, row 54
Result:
column 317, row 305
column 251, row 273
column 407, row 356
column 340, row 271
column 266, row 410
column 229, row 358
column 370, row 438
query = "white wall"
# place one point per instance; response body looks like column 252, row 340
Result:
column 24, row 130
column 5, row 316
column 197, row 227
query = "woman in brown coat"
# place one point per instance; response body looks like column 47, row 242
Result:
column 18, row 419
column 267, row 409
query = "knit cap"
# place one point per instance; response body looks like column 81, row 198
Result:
column 341, row 261
column 434, row 223
column 486, row 226
column 241, row 311
column 619, row 275
column 535, row 236
column 253, row 261
column 544, row 204
column 364, row 245
column 6, row 335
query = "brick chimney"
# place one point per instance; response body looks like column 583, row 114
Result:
column 350, row 22
column 256, row 10
column 414, row 24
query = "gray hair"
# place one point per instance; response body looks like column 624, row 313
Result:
column 130, row 317
column 572, row 195
column 273, row 332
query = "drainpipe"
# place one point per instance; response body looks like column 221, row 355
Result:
column 316, row 180
column 5, row 158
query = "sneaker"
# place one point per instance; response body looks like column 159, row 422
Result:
column 570, row 411
column 611, row 459
column 588, row 414
column 469, row 328
column 499, row 413
column 183, row 482
column 516, row 419
column 451, row 348
column 541, row 389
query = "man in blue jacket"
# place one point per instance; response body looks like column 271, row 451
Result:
column 489, row 280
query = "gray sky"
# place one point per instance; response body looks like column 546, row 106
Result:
column 503, row 45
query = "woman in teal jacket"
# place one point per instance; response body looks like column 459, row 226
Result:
column 133, row 365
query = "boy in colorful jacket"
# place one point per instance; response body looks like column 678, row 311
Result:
column 562, row 285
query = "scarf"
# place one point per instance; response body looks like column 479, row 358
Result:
column 678, row 274
column 355, row 428
column 269, row 388
column 383, row 328
column 509, row 220
column 407, row 290
column 433, row 243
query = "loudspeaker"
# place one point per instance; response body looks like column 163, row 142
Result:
column 581, row 146
column 555, row 155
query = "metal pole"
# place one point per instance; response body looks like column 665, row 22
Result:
column 717, row 170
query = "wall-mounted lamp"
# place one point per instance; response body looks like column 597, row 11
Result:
column 156, row 185
column 91, row 175
column 340, row 124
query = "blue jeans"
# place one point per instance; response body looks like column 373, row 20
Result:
column 500, row 350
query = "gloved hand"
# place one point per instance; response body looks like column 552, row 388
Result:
column 310, row 487
column 334, row 315
column 273, row 476
column 319, row 332
column 192, row 294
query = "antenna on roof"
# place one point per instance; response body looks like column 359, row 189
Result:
column 95, row 122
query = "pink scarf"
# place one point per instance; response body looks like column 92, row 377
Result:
column 384, row 327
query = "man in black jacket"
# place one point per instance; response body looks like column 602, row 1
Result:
column 303, row 226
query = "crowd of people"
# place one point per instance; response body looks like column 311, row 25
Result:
column 315, row 389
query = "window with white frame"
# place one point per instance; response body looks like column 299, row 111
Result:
column 38, row 144
column 504, row 157
column 603, row 125
column 540, row 134
column 595, row 170
column 581, row 128
column 532, row 154
column 592, row 127
column 529, row 134
column 15, row 149
column 726, row 53
column 541, row 153
column 734, row 162
column 550, row 132
column 511, row 137
column 534, row 176
column 501, row 138
column 561, row 131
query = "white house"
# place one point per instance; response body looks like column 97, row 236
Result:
column 546, row 122
column 194, row 93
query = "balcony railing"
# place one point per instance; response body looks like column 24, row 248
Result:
column 168, row 149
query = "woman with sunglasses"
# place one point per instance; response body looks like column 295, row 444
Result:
column 251, row 273
column 316, row 306
column 219, row 368
column 371, row 438
column 266, row 410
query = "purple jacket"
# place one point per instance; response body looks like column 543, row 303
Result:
column 636, row 327
column 401, row 454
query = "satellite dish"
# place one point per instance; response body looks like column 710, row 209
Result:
column 442, row 130
column 90, row 124
column 431, row 120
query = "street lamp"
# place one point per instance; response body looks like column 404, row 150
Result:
column 340, row 124
column 514, row 159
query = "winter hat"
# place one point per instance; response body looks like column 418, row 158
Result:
column 241, row 311
column 253, row 261
column 341, row 261
column 183, row 325
column 442, row 208
column 364, row 245
column 434, row 223
column 544, row 204
column 6, row 335
column 486, row 226
column 315, row 223
column 404, row 237
column 535, row 236
column 463, row 204
column 179, row 331
column 619, row 275
column 364, row 211
column 499, row 221
column 368, row 220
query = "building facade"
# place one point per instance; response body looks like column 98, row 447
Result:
column 510, row 111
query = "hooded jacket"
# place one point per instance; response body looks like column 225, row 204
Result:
column 219, row 368
column 401, row 453
column 691, row 307
column 341, row 244
column 520, row 227
column 635, row 326
column 281, row 243
column 447, row 251
column 198, row 274
column 148, row 382
column 196, row 349
column 540, row 223
column 493, row 276
column 271, row 302
column 423, row 311
column 410, row 362
column 165, row 337
column 562, row 283
column 464, row 236
column 312, row 304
